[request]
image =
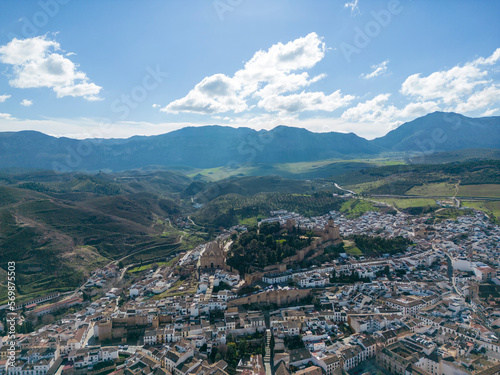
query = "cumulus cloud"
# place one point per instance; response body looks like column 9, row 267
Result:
column 464, row 89
column 215, row 94
column 449, row 86
column 270, row 78
column 374, row 110
column 310, row 101
column 4, row 98
column 377, row 110
column 461, row 88
column 378, row 70
column 417, row 109
column 6, row 116
column 19, row 51
column 26, row 103
column 39, row 62
column 480, row 99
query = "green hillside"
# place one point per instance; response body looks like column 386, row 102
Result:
column 58, row 227
column 57, row 238
column 400, row 179
column 233, row 209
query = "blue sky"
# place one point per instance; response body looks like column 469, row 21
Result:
column 120, row 68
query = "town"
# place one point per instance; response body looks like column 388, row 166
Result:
column 431, row 308
column 234, row 187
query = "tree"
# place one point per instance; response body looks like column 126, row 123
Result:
column 269, row 228
column 232, row 356
column 270, row 241
column 222, row 350
column 242, row 347
column 31, row 316
column 48, row 319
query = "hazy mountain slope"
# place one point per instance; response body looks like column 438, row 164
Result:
column 441, row 131
column 216, row 146
column 201, row 147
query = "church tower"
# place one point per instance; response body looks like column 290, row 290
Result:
column 213, row 257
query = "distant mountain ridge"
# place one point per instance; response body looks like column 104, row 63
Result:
column 442, row 131
column 214, row 146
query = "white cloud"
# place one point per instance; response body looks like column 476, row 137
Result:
column 448, row 86
column 26, row 102
column 490, row 112
column 464, row 89
column 378, row 111
column 480, row 99
column 374, row 110
column 353, row 5
column 85, row 89
column 215, row 94
column 3, row 98
column 265, row 78
column 305, row 101
column 156, row 106
column 20, row 51
column 6, row 116
column 36, row 63
column 461, row 88
column 378, row 70
column 491, row 60
column 417, row 109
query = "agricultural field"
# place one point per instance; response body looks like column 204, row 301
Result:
column 492, row 207
column 444, row 189
column 486, row 190
column 251, row 221
column 357, row 207
column 365, row 186
column 403, row 203
column 314, row 169
column 447, row 189
column 421, row 179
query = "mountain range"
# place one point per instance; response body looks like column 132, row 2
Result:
column 215, row 146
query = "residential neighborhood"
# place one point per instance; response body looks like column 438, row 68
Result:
column 434, row 308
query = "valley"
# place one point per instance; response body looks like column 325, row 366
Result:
column 59, row 227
